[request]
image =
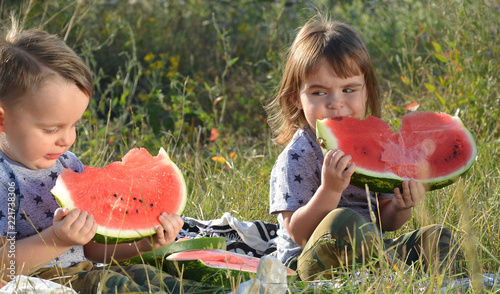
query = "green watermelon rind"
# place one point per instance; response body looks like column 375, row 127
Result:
column 386, row 182
column 108, row 236
column 156, row 257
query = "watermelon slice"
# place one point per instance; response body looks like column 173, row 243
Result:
column 214, row 266
column 156, row 257
column 126, row 197
column 433, row 148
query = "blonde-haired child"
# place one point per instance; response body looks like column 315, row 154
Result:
column 44, row 90
column 324, row 222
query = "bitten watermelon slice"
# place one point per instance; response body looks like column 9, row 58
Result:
column 433, row 148
column 214, row 266
column 126, row 197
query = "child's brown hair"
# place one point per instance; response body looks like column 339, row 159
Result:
column 319, row 40
column 25, row 58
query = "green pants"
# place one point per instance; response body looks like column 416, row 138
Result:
column 344, row 238
column 138, row 278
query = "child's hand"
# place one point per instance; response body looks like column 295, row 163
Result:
column 337, row 171
column 413, row 193
column 171, row 224
column 73, row 228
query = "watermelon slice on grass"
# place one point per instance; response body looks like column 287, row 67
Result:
column 430, row 147
column 214, row 266
column 126, row 197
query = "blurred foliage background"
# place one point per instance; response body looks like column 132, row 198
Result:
column 193, row 76
column 177, row 69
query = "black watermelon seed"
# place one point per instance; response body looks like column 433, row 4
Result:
column 126, row 211
column 140, row 200
column 134, row 198
column 151, row 205
column 114, row 195
column 137, row 211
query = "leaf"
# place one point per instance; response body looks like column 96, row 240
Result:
column 440, row 57
column 123, row 98
column 232, row 61
column 437, row 47
column 429, row 87
column 207, row 87
column 441, row 100
column 442, row 81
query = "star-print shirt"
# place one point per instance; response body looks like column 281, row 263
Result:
column 295, row 177
column 32, row 208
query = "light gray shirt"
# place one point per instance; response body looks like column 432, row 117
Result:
column 28, row 205
column 295, row 177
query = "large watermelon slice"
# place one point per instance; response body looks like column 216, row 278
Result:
column 126, row 197
column 214, row 266
column 433, row 148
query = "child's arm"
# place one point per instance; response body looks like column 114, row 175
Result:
column 74, row 228
column 171, row 224
column 394, row 212
column 335, row 177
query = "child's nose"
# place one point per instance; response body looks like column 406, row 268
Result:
column 66, row 138
column 335, row 102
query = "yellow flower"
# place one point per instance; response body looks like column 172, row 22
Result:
column 174, row 66
column 149, row 57
column 157, row 65
column 219, row 159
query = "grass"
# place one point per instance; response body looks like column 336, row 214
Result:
column 168, row 72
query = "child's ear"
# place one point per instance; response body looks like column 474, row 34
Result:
column 297, row 103
column 2, row 117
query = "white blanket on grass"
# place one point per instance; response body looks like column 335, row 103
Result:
column 31, row 285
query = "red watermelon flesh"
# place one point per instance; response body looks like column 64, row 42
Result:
column 220, row 259
column 213, row 266
column 126, row 197
column 434, row 148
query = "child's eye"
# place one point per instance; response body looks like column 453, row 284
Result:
column 50, row 131
column 348, row 90
column 319, row 93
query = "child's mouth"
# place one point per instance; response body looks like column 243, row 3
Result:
column 52, row 156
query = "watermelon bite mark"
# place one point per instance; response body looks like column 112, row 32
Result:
column 126, row 197
column 434, row 148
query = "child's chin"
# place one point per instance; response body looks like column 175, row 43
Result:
column 43, row 164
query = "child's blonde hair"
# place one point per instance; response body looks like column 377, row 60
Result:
column 25, row 56
column 319, row 40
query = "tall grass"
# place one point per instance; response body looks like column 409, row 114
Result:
column 168, row 72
